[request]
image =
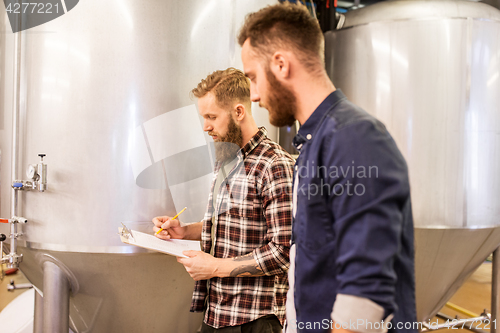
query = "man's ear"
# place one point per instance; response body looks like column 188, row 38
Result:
column 280, row 64
column 239, row 112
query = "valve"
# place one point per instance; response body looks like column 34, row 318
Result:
column 13, row 259
column 13, row 286
column 37, row 177
column 14, row 219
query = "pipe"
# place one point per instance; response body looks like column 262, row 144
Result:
column 13, row 286
column 15, row 136
column 56, row 291
column 38, row 317
column 495, row 283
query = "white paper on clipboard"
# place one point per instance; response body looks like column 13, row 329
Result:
column 174, row 247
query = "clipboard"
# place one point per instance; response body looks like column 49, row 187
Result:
column 173, row 247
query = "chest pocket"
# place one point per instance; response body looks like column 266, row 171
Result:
column 314, row 222
column 238, row 192
column 245, row 220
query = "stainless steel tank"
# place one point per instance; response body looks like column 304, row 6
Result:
column 104, row 93
column 430, row 71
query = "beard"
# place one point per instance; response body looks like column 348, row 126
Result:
column 281, row 103
column 226, row 147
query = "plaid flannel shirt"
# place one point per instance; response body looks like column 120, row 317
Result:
column 253, row 214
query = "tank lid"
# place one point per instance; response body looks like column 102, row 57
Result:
column 394, row 10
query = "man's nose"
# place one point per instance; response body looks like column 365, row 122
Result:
column 207, row 126
column 254, row 95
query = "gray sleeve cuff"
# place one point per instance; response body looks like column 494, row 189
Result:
column 359, row 314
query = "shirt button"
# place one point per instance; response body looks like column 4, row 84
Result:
column 309, row 136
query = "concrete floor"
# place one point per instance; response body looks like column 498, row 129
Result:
column 474, row 295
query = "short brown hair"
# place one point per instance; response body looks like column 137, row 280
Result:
column 229, row 86
column 288, row 26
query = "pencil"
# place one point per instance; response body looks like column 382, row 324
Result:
column 182, row 211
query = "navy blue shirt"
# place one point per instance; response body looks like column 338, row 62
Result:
column 353, row 227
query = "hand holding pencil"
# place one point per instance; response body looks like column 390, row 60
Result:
column 167, row 227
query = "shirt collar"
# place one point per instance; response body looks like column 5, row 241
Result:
column 308, row 129
column 243, row 152
column 254, row 141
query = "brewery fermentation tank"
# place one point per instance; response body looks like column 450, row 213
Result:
column 429, row 70
column 103, row 92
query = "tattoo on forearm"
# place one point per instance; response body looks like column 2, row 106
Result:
column 250, row 269
column 247, row 270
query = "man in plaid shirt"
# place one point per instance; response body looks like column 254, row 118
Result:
column 241, row 274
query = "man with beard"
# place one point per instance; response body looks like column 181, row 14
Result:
column 241, row 274
column 353, row 229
